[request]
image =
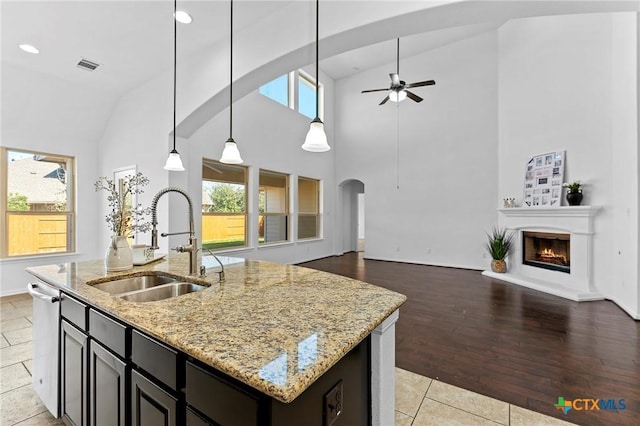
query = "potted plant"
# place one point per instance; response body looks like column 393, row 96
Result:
column 499, row 245
column 574, row 192
column 124, row 219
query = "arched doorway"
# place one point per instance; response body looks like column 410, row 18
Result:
column 352, row 215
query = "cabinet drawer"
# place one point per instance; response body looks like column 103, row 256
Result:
column 219, row 400
column 74, row 311
column 158, row 360
column 194, row 419
column 109, row 332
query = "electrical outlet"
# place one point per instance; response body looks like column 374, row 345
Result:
column 332, row 406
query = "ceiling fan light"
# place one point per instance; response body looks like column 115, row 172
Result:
column 231, row 154
column 397, row 96
column 316, row 140
column 174, row 163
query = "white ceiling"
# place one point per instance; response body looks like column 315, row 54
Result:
column 133, row 40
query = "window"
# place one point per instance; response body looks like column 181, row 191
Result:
column 297, row 90
column 224, row 201
column 307, row 96
column 273, row 205
column 37, row 205
column 308, row 208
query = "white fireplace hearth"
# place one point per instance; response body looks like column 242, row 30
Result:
column 577, row 221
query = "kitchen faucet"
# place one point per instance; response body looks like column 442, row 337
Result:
column 192, row 247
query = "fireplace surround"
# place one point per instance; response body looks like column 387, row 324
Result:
column 568, row 228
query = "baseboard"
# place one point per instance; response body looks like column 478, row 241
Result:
column 420, row 262
column 631, row 312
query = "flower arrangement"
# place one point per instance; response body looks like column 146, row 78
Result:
column 124, row 217
column 574, row 186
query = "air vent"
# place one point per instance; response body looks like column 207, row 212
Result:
column 88, row 65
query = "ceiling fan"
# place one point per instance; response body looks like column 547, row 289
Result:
column 398, row 89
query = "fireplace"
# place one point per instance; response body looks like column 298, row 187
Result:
column 547, row 250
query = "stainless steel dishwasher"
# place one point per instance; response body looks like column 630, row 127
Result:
column 46, row 344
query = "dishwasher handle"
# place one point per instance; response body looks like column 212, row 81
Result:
column 32, row 288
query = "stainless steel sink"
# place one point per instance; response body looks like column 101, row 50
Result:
column 161, row 292
column 126, row 285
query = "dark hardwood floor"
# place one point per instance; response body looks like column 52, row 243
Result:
column 508, row 342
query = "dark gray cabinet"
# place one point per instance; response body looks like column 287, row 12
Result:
column 108, row 387
column 151, row 405
column 73, row 365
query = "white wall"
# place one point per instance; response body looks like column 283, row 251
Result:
column 447, row 174
column 568, row 83
column 269, row 136
column 45, row 114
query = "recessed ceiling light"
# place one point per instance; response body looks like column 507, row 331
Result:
column 29, row 48
column 183, row 17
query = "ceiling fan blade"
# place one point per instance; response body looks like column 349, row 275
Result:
column 413, row 96
column 421, row 83
column 395, row 79
column 384, row 101
column 374, row 90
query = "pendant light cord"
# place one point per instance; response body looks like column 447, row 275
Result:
column 317, row 60
column 175, row 66
column 231, row 76
column 398, row 57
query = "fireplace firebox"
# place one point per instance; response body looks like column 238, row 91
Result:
column 547, row 250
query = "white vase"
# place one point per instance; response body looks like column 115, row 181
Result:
column 119, row 255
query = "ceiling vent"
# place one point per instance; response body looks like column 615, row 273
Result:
column 87, row 65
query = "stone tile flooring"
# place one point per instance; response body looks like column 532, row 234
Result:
column 419, row 400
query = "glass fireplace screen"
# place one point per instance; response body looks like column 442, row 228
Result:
column 547, row 250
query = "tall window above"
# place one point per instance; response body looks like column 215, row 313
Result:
column 296, row 90
column 308, row 208
column 36, row 201
column 224, row 205
column 273, row 204
column 277, row 89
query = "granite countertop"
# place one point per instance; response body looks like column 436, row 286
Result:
column 275, row 327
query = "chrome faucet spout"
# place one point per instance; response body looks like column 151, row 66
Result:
column 192, row 247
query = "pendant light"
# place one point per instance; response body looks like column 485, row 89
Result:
column 231, row 154
column 174, row 163
column 316, row 140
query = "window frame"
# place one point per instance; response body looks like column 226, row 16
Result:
column 245, row 214
column 69, row 212
column 287, row 209
column 317, row 214
column 293, row 79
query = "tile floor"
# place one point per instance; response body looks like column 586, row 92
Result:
column 419, row 400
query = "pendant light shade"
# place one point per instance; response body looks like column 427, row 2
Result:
column 174, row 163
column 316, row 140
column 231, row 153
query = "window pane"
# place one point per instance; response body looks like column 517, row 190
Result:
column 307, row 226
column 223, row 205
column 277, row 89
column 306, row 97
column 273, row 205
column 308, row 195
column 39, row 216
column 308, row 208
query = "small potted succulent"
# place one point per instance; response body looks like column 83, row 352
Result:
column 499, row 245
column 574, row 192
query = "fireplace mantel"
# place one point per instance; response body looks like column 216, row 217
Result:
column 575, row 220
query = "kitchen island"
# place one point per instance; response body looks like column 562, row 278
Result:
column 272, row 333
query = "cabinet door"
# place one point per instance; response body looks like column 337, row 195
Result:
column 107, row 380
column 150, row 405
column 73, row 362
